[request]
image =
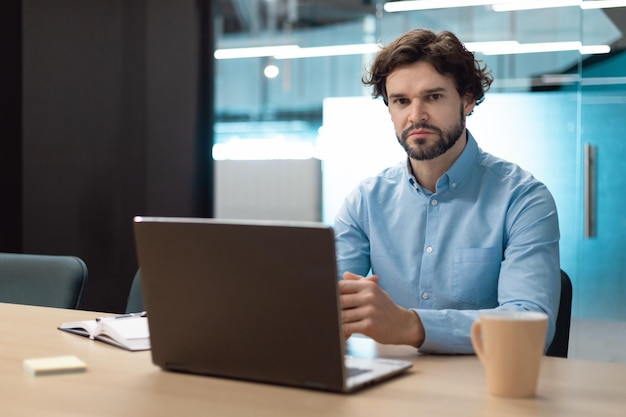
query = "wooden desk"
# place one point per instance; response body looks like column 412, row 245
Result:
column 121, row 383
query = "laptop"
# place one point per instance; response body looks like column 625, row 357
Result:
column 251, row 300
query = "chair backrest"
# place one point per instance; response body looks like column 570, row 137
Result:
column 135, row 299
column 560, row 343
column 42, row 280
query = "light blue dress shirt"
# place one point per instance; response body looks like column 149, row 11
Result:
column 488, row 238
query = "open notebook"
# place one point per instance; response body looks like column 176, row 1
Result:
column 249, row 300
column 128, row 331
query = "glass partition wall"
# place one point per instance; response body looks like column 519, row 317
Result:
column 288, row 93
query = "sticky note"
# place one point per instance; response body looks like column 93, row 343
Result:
column 54, row 365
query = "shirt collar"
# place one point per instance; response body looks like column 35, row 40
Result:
column 453, row 177
column 462, row 165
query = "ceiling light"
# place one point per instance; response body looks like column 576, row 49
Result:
column 602, row 4
column 533, row 5
column 271, row 71
column 486, row 48
column 595, row 49
column 499, row 5
column 514, row 47
column 405, row 6
column 333, row 50
column 529, row 48
column 252, row 52
column 294, row 51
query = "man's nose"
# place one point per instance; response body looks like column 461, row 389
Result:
column 417, row 112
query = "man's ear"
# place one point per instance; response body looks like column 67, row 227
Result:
column 469, row 102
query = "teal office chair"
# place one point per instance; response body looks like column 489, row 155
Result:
column 560, row 343
column 135, row 299
column 42, row 280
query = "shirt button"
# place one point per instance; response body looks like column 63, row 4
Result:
column 429, row 249
column 434, row 202
column 425, row 295
column 454, row 185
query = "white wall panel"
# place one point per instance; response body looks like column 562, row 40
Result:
column 275, row 189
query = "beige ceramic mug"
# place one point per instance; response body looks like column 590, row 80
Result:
column 510, row 345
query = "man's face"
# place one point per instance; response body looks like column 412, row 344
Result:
column 427, row 112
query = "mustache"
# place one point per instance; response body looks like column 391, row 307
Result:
column 419, row 125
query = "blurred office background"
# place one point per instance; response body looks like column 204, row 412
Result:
column 254, row 109
column 556, row 108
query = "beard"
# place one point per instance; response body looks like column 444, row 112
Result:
column 446, row 140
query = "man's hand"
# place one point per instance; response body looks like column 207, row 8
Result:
column 369, row 310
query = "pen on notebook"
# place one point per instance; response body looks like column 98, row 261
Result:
column 122, row 316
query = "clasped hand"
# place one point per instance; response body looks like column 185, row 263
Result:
column 368, row 310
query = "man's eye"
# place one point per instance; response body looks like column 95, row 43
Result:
column 435, row 97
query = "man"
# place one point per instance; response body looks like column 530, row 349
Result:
column 452, row 230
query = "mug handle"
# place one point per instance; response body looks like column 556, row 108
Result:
column 477, row 340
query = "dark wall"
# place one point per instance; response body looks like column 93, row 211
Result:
column 117, row 105
column 10, row 126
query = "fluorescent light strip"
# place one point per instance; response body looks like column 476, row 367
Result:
column 334, row 50
column 602, row 4
column 405, row 6
column 547, row 4
column 487, row 48
column 595, row 49
column 529, row 48
column 484, row 47
column 499, row 5
column 533, row 5
column 514, row 47
column 253, row 52
column 294, row 51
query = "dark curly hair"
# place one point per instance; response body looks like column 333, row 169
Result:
column 442, row 50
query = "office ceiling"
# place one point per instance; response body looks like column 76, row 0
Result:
column 246, row 23
column 262, row 16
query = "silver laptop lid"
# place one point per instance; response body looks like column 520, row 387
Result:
column 249, row 300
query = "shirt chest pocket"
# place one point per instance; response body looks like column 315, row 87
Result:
column 475, row 276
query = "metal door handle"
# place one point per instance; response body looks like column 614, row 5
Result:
column 590, row 190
